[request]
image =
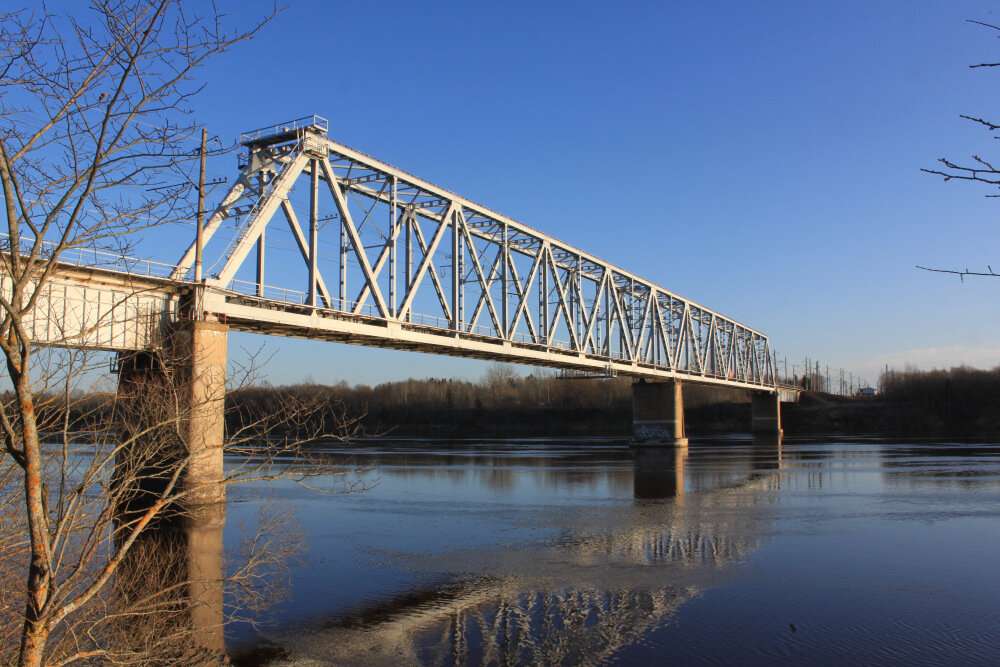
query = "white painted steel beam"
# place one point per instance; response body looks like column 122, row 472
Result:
column 246, row 313
column 303, row 245
column 87, row 308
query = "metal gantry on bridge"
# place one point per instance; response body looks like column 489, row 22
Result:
column 414, row 266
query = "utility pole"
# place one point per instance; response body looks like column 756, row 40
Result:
column 199, row 240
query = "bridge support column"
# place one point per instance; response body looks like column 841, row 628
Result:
column 658, row 414
column 765, row 412
column 173, row 404
column 201, row 348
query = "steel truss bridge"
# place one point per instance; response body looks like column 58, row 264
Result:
column 417, row 267
column 413, row 267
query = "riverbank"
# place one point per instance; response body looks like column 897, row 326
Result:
column 725, row 417
column 814, row 414
column 831, row 414
column 960, row 401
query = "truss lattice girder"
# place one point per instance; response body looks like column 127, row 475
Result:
column 628, row 319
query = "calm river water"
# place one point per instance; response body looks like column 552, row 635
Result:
column 813, row 551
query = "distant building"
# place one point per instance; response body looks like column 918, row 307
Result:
column 866, row 392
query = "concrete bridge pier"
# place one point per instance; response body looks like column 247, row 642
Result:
column 201, row 351
column 765, row 413
column 172, row 407
column 658, row 414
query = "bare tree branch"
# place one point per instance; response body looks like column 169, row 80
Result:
column 94, row 120
column 963, row 273
column 981, row 170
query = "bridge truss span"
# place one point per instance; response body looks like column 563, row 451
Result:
column 386, row 258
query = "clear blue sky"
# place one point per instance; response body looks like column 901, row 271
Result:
column 760, row 158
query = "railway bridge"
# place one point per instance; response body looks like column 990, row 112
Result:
column 391, row 260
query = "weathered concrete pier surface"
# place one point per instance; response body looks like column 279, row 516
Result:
column 658, row 414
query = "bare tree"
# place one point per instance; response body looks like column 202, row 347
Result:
column 499, row 381
column 136, row 573
column 93, row 124
column 979, row 169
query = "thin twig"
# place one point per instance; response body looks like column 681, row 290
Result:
column 961, row 274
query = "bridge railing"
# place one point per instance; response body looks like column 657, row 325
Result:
column 287, row 127
column 94, row 258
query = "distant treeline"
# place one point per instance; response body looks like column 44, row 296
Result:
column 501, row 403
column 961, row 399
column 958, row 401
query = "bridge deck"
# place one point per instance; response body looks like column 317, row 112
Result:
column 272, row 317
column 114, row 309
column 97, row 308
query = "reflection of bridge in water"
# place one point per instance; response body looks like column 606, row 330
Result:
column 598, row 587
column 586, row 596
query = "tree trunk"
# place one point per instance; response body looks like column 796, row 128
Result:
column 32, row 643
column 39, row 571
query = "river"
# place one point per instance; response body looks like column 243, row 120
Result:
column 737, row 551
